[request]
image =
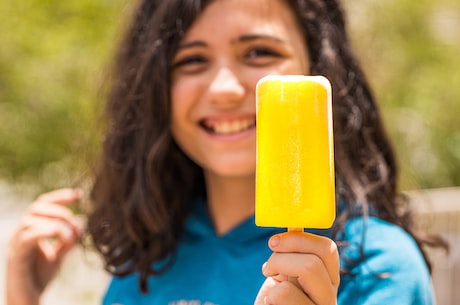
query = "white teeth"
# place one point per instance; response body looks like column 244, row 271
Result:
column 232, row 127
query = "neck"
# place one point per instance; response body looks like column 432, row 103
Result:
column 230, row 200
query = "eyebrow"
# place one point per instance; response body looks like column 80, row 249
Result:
column 243, row 38
column 252, row 37
column 191, row 44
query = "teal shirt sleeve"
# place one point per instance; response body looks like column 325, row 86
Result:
column 392, row 272
column 122, row 290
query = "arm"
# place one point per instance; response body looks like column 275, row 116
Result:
column 392, row 270
column 45, row 234
column 304, row 269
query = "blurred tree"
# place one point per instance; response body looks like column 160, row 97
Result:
column 410, row 50
column 54, row 54
column 51, row 70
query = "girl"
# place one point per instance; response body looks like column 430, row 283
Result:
column 173, row 197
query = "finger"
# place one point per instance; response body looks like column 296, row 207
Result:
column 268, row 284
column 61, row 196
column 25, row 251
column 33, row 229
column 47, row 213
column 286, row 293
column 66, row 247
column 54, row 211
column 309, row 271
column 53, row 240
column 54, row 249
column 301, row 242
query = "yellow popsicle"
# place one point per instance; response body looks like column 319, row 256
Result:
column 295, row 158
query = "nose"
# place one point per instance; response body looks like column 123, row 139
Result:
column 226, row 88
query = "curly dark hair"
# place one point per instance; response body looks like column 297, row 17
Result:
column 144, row 182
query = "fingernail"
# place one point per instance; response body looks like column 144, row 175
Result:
column 275, row 241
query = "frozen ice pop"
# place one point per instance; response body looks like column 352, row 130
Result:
column 295, row 159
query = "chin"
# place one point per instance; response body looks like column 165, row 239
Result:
column 232, row 170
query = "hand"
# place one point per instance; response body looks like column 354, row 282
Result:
column 303, row 269
column 44, row 236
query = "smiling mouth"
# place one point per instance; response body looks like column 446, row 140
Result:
column 228, row 127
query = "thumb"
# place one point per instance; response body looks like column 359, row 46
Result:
column 264, row 290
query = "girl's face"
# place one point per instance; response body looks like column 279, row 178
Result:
column 227, row 50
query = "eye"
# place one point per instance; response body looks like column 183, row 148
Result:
column 190, row 63
column 261, row 51
column 260, row 56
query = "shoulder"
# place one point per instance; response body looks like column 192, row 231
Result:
column 382, row 247
column 123, row 290
column 383, row 263
column 378, row 237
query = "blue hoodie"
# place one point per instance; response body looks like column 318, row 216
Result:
column 211, row 269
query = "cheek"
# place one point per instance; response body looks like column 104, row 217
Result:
column 183, row 104
column 254, row 75
column 295, row 66
column 179, row 129
column 186, row 91
column 176, row 96
column 181, row 100
column 180, row 132
column 303, row 59
column 175, row 124
column 178, row 110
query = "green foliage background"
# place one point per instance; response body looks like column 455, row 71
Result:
column 52, row 62
column 410, row 50
column 54, row 55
